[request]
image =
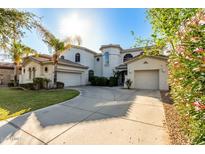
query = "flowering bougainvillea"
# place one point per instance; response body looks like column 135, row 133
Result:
column 188, row 65
column 184, row 31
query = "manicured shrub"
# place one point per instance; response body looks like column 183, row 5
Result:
column 103, row 81
column 10, row 84
column 29, row 86
column 99, row 81
column 39, row 83
column 113, row 81
column 59, row 85
column 46, row 82
column 92, row 80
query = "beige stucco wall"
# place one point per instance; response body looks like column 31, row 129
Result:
column 153, row 64
column 6, row 75
column 40, row 72
column 86, row 58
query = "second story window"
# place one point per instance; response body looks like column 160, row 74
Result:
column 127, row 57
column 77, row 57
column 106, row 58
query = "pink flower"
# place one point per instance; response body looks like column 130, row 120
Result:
column 198, row 106
column 199, row 50
column 202, row 107
column 203, row 59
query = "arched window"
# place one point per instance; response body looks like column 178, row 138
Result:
column 106, row 58
column 90, row 74
column 34, row 72
column 127, row 57
column 62, row 57
column 29, row 70
column 77, row 57
column 46, row 69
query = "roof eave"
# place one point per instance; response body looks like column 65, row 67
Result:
column 144, row 56
column 64, row 64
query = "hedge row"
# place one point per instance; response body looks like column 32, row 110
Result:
column 103, row 81
column 38, row 83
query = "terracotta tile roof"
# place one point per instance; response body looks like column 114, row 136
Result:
column 6, row 65
column 43, row 58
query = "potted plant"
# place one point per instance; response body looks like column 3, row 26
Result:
column 128, row 83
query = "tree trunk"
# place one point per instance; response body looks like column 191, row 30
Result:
column 16, row 73
column 55, row 75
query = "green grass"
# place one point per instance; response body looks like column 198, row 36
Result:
column 15, row 102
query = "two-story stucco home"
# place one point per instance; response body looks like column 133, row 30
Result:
column 78, row 63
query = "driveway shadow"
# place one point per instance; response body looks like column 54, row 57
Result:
column 45, row 124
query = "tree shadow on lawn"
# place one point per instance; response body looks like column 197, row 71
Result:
column 16, row 102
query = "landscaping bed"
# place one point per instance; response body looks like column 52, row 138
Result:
column 176, row 134
column 15, row 102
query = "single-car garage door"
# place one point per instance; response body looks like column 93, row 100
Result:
column 147, row 79
column 69, row 79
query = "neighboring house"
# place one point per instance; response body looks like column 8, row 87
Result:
column 70, row 73
column 77, row 64
column 6, row 73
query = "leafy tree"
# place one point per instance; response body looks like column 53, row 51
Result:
column 58, row 46
column 182, row 30
column 13, row 24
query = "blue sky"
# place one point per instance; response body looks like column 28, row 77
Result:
column 96, row 26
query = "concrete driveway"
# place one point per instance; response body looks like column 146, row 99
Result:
column 100, row 115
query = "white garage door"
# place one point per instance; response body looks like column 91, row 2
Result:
column 69, row 79
column 147, row 79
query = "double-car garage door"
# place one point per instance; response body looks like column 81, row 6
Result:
column 146, row 79
column 70, row 79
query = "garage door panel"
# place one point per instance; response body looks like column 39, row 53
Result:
column 69, row 79
column 147, row 79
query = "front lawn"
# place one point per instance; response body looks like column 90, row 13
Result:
column 15, row 102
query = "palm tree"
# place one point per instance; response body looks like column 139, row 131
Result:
column 18, row 51
column 58, row 46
